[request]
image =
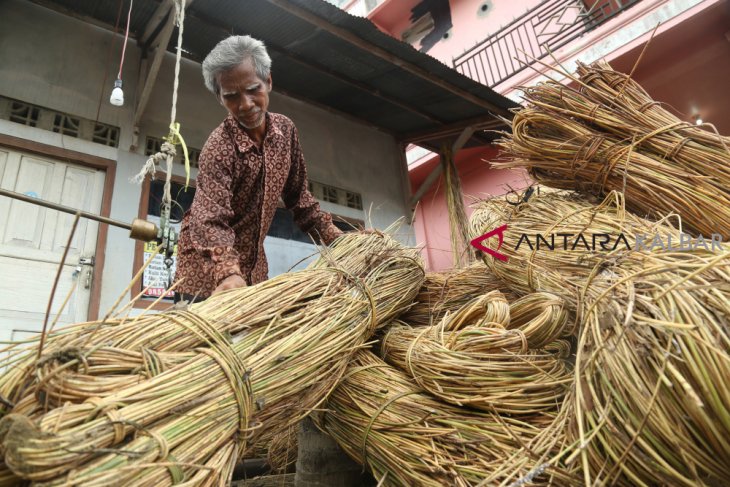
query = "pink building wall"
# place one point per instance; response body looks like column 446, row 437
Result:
column 471, row 25
column 610, row 36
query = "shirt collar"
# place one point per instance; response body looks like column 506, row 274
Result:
column 242, row 139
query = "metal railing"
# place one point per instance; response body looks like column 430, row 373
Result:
column 543, row 29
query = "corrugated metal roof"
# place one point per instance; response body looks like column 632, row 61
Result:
column 314, row 60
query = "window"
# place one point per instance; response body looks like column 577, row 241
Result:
column 329, row 194
column 182, row 199
column 24, row 113
column 283, row 226
column 62, row 123
column 347, row 225
column 194, row 156
column 354, row 200
column 153, row 145
column 66, row 124
column 105, row 134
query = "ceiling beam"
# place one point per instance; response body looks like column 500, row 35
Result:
column 462, row 139
column 426, row 184
column 337, row 112
column 160, row 48
column 458, row 144
column 155, row 21
column 356, row 84
column 477, row 139
column 158, row 44
column 482, row 122
column 418, row 71
column 87, row 19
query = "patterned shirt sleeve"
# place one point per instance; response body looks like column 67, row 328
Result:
column 211, row 212
column 297, row 198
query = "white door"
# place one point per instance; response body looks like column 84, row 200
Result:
column 32, row 241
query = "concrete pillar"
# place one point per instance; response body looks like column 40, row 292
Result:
column 322, row 463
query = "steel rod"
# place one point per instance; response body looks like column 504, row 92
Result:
column 65, row 209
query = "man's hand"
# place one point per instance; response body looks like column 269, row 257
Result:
column 233, row 281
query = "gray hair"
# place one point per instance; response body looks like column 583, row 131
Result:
column 231, row 52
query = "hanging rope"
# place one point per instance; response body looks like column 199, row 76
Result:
column 167, row 151
column 167, row 236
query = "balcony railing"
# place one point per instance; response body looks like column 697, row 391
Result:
column 543, row 29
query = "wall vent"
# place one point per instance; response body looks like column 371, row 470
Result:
column 62, row 123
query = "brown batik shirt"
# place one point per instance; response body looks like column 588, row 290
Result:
column 237, row 192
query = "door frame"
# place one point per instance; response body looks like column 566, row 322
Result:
column 109, row 166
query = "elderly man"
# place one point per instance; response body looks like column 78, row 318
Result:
column 248, row 162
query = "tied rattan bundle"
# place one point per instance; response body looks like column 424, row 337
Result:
column 281, row 453
column 406, row 437
column 101, row 357
column 280, row 450
column 128, row 350
column 608, row 134
column 651, row 404
column 447, row 291
column 490, row 355
column 191, row 414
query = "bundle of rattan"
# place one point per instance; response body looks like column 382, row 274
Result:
column 193, row 420
column 281, row 452
column 507, row 360
column 406, row 437
column 447, row 291
column 651, row 404
column 126, row 351
column 144, row 338
column 608, row 134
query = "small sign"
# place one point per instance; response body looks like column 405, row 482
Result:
column 155, row 276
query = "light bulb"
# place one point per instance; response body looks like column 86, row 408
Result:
column 117, row 98
column 698, row 121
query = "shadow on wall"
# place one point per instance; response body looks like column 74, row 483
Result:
column 430, row 22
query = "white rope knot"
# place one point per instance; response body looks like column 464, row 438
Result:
column 167, row 152
column 149, row 167
column 168, row 149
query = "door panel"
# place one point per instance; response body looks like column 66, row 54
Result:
column 26, row 296
column 33, row 241
column 25, row 221
column 79, row 190
column 3, row 162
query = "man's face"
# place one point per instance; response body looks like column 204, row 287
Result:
column 245, row 95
